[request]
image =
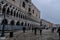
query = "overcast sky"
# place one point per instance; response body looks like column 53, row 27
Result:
column 50, row 10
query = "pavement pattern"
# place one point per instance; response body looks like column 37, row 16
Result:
column 29, row 35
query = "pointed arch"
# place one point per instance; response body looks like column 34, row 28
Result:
column 23, row 4
column 21, row 16
column 11, row 12
column 18, row 23
column 8, row 11
column 22, row 23
column 2, row 2
column 17, row 14
column 14, row 13
column 4, row 21
column 12, row 22
column 0, row 7
column 4, row 8
column 28, row 24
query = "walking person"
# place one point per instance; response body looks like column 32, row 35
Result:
column 35, row 30
column 52, row 30
column 32, row 29
column 40, row 31
column 59, row 32
column 24, row 29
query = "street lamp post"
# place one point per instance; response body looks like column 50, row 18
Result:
column 3, row 22
column 2, row 35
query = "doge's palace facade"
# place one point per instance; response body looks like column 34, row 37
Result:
column 20, row 11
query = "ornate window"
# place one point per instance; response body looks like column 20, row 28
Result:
column 13, row 0
column 8, row 11
column 3, row 10
column 26, row 0
column 33, row 11
column 17, row 14
column 4, row 21
column 18, row 23
column 23, row 4
column 10, row 6
column 0, row 8
column 21, row 16
column 22, row 24
column 29, row 9
column 12, row 22
column 28, row 24
column 2, row 2
column 12, row 12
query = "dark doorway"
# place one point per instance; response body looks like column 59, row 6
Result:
column 12, row 22
column 18, row 23
column 4, row 21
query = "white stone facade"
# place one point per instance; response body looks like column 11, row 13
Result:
column 22, row 11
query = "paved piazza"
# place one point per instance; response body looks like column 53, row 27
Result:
column 29, row 35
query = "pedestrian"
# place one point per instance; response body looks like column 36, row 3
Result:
column 24, row 29
column 59, row 32
column 11, row 34
column 32, row 29
column 40, row 31
column 35, row 30
column 52, row 30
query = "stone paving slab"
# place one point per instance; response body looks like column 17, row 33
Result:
column 29, row 35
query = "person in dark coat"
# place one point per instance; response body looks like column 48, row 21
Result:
column 32, row 29
column 59, row 32
column 40, row 31
column 24, row 29
column 35, row 30
column 52, row 30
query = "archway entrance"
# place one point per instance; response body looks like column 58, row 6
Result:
column 12, row 22
column 18, row 23
column 4, row 21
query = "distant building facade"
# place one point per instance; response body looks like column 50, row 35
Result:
column 57, row 25
column 46, row 23
column 20, row 11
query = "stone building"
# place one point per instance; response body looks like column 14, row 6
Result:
column 46, row 23
column 22, row 12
